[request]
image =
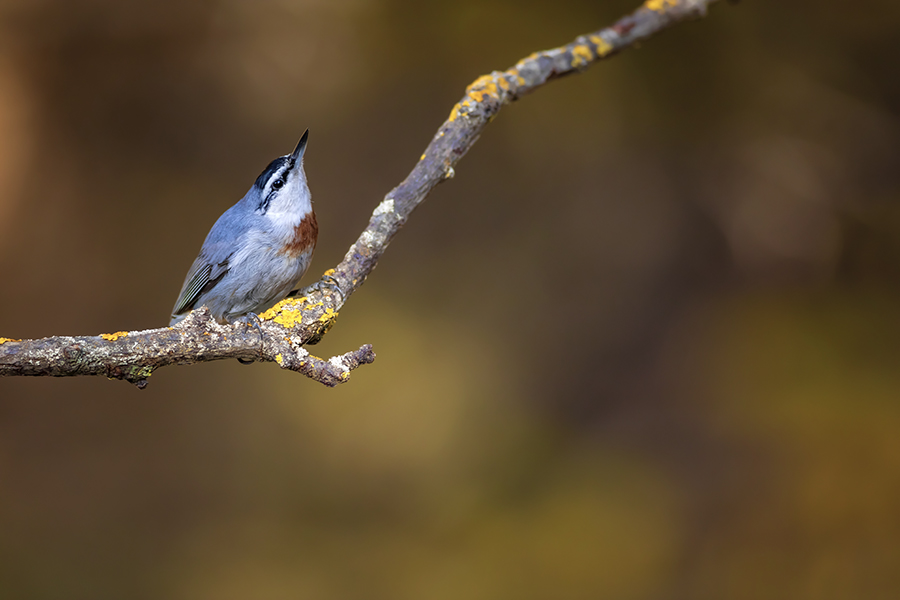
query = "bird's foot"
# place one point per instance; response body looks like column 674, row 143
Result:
column 252, row 319
column 327, row 282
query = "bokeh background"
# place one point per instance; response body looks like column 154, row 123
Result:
column 644, row 345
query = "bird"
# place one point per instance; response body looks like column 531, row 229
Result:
column 257, row 251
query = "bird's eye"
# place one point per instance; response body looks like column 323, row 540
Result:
column 277, row 184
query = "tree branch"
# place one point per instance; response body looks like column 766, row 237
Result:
column 287, row 327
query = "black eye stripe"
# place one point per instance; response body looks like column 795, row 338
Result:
column 273, row 178
column 280, row 168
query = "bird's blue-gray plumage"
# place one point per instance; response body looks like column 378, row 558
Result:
column 258, row 250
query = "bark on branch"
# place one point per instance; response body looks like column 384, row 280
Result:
column 295, row 322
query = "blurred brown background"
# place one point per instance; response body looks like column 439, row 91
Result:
column 713, row 412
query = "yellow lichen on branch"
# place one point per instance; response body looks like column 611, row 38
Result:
column 660, row 5
column 289, row 312
column 286, row 313
column 111, row 337
column 514, row 72
column 481, row 87
column 328, row 315
column 603, row 47
column 581, row 55
column 484, row 86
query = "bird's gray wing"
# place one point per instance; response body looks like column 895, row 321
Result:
column 201, row 278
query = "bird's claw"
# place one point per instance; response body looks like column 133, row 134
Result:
column 326, row 282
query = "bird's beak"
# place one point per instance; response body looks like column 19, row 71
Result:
column 297, row 154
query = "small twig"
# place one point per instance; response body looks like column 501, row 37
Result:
column 291, row 324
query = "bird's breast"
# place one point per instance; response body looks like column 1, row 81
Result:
column 303, row 238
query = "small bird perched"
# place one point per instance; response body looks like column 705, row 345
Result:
column 259, row 248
